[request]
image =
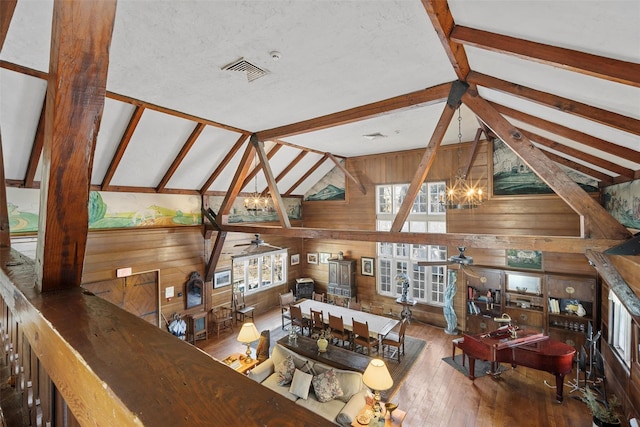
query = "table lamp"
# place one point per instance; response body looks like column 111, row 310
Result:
column 377, row 378
column 248, row 334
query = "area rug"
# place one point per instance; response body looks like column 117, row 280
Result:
column 398, row 371
column 482, row 367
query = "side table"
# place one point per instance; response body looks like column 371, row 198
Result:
column 398, row 417
column 406, row 310
column 237, row 361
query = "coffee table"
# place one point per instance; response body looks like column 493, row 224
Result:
column 398, row 417
column 337, row 357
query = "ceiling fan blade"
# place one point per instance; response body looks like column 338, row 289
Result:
column 442, row 263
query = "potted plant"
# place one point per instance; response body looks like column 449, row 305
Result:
column 603, row 412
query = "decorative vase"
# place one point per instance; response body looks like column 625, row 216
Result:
column 322, row 345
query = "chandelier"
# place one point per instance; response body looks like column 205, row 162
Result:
column 462, row 194
column 256, row 203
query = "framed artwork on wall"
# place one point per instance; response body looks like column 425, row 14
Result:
column 324, row 257
column 221, row 278
column 367, row 266
column 295, row 259
column 312, row 258
column 517, row 258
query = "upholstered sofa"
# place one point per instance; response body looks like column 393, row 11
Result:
column 341, row 410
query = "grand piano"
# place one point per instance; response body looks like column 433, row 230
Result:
column 520, row 347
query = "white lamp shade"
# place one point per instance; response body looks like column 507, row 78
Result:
column 248, row 333
column 377, row 376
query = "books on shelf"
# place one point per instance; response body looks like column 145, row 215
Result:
column 554, row 306
column 473, row 307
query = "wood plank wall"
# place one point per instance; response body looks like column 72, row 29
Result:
column 541, row 215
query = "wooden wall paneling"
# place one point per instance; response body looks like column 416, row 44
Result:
column 629, row 269
column 567, row 263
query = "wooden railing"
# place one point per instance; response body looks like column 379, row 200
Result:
column 77, row 359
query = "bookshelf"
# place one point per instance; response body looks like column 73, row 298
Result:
column 524, row 300
column 484, row 299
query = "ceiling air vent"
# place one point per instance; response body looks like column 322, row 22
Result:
column 253, row 72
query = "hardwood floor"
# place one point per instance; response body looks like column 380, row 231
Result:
column 435, row 394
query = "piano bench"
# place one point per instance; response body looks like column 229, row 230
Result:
column 455, row 344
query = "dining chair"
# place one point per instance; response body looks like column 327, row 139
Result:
column 297, row 319
column 355, row 305
column 221, row 319
column 336, row 325
column 395, row 339
column 377, row 309
column 285, row 303
column 362, row 338
column 240, row 307
column 317, row 321
column 318, row 297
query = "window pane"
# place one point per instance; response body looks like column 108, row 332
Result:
column 385, row 249
column 278, row 268
column 384, row 199
column 402, row 267
column 384, row 275
column 399, row 193
column 437, row 284
column 402, row 250
column 420, row 203
column 253, row 274
column 437, row 197
column 437, row 227
column 238, row 276
column 419, row 284
column 265, row 273
column 419, row 252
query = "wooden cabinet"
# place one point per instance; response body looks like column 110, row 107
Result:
column 571, row 305
column 342, row 278
column 525, row 300
column 484, row 300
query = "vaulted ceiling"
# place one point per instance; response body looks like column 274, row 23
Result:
column 348, row 78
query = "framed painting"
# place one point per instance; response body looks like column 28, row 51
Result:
column 295, row 259
column 221, row 278
column 324, row 257
column 517, row 258
column 367, row 266
column 312, row 258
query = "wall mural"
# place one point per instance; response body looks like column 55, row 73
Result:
column 330, row 187
column 511, row 176
column 239, row 213
column 111, row 210
column 622, row 201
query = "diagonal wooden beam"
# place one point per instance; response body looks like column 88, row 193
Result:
column 596, row 221
column 223, row 164
column 610, row 69
column 442, row 21
column 215, row 256
column 574, row 135
column 581, row 155
column 236, row 184
column 7, row 7
column 569, row 106
column 258, row 167
column 271, row 182
column 348, row 174
column 122, row 147
column 181, row 155
column 429, row 155
column 306, row 175
column 79, row 60
column 428, row 96
column 600, row 176
column 36, row 148
column 288, row 169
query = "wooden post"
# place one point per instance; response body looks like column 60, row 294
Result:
column 80, row 40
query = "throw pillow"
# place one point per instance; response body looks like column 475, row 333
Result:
column 285, row 371
column 326, row 386
column 308, row 368
column 301, row 384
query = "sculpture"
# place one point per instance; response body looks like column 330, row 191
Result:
column 449, row 312
column 403, row 280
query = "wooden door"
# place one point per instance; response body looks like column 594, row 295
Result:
column 138, row 294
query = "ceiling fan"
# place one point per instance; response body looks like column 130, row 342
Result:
column 256, row 244
column 464, row 261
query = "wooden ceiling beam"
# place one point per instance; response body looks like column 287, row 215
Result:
column 122, row 147
column 580, row 155
column 442, row 21
column 307, row 174
column 215, row 256
column 428, row 96
column 36, row 148
column 429, row 155
column 596, row 221
column 5, row 232
column 609, row 69
column 258, row 167
column 236, row 184
column 181, row 155
column 574, row 135
column 7, row 7
column 481, row 241
column 276, row 198
column 286, row 170
column 76, row 89
column 569, row 106
column 300, row 147
column 223, row 164
column 348, row 174
column 600, row 176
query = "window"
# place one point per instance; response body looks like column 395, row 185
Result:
column 619, row 329
column 256, row 272
column 427, row 216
